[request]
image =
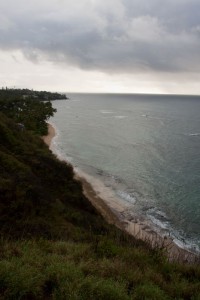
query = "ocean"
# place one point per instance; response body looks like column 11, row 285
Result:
column 143, row 148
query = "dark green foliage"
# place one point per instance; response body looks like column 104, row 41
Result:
column 32, row 183
column 6, row 93
column 28, row 108
column 30, row 114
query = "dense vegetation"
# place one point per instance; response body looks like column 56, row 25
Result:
column 54, row 245
column 30, row 94
column 30, row 113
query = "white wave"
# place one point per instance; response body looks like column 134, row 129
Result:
column 157, row 212
column 106, row 112
column 190, row 245
column 56, row 146
column 127, row 197
column 160, row 224
column 120, row 117
column 158, row 218
column 194, row 134
column 163, row 227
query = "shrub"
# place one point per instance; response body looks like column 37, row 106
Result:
column 95, row 288
column 149, row 291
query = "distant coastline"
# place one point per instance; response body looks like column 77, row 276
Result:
column 112, row 213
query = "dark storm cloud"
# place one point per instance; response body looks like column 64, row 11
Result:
column 111, row 36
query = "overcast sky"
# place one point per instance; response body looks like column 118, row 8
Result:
column 145, row 46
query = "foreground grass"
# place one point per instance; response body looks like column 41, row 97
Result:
column 44, row 269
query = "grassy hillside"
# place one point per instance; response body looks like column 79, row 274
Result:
column 54, row 245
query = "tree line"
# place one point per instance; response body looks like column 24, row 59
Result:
column 30, row 112
column 11, row 93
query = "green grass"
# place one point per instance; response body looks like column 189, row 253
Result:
column 44, row 269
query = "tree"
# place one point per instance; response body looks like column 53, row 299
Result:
column 32, row 113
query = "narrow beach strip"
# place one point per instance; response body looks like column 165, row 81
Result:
column 51, row 133
column 113, row 214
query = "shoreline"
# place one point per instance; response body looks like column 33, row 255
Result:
column 113, row 212
column 51, row 133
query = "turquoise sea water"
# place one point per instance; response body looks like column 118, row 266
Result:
column 146, row 148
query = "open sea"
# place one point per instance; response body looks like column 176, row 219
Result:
column 145, row 148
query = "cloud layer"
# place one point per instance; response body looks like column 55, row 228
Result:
column 113, row 36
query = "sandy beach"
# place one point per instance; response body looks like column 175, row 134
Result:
column 51, row 133
column 116, row 213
